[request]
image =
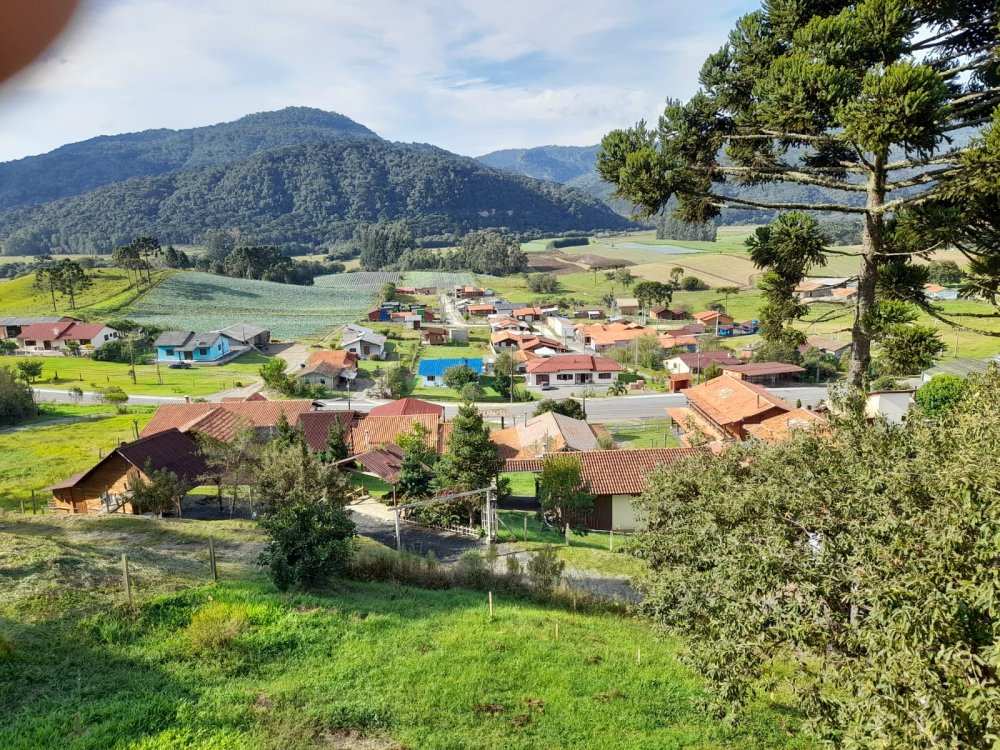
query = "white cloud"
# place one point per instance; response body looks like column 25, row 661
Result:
column 467, row 75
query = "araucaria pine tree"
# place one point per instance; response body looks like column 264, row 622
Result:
column 868, row 102
column 471, row 461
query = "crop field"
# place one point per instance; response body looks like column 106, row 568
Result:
column 203, row 302
column 367, row 282
column 440, row 279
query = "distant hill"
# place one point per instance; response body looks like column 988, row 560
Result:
column 78, row 167
column 556, row 163
column 307, row 195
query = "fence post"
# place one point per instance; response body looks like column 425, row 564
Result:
column 22, row 506
column 34, row 509
column 127, row 579
column 211, row 559
column 525, row 528
column 399, row 543
column 491, row 604
column 611, row 540
column 567, row 535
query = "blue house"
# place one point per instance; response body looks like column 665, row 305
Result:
column 188, row 346
column 432, row 371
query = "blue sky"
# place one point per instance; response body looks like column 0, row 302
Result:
column 468, row 75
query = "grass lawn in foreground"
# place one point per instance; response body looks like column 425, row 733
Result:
column 41, row 454
column 65, row 372
column 238, row 665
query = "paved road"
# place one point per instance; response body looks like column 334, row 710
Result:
column 605, row 409
column 51, row 395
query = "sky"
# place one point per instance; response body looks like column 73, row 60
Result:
column 471, row 76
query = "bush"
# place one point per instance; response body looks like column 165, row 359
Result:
column 545, row 568
column 310, row 541
column 459, row 376
column 215, row 626
column 940, row 394
column 692, row 284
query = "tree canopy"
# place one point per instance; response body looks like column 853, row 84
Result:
column 855, row 565
column 877, row 122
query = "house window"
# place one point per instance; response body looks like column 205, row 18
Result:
column 169, row 352
column 84, row 342
column 29, row 343
column 604, row 376
column 203, row 352
column 564, row 376
column 430, row 378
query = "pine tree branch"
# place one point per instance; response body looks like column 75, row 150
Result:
column 945, row 158
column 921, row 179
column 935, row 313
column 791, row 175
column 724, row 201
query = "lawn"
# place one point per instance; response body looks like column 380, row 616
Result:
column 643, row 433
column 40, row 455
column 237, row 665
column 85, row 373
column 373, row 485
column 108, row 295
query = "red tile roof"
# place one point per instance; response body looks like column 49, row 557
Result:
column 574, row 362
column 374, row 432
column 728, row 400
column 385, row 462
column 316, row 426
column 777, row 429
column 615, row 472
column 764, row 368
column 225, row 416
column 407, row 406
column 69, row 329
column 335, row 357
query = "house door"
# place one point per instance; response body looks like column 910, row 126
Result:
column 189, row 354
column 541, row 379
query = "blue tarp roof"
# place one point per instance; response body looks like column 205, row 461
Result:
column 438, row 366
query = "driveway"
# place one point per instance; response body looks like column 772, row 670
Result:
column 295, row 355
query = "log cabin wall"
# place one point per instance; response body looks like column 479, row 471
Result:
column 113, row 475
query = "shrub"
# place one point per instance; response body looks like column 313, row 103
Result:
column 471, row 569
column 692, row 284
column 215, row 626
column 545, row 568
column 310, row 541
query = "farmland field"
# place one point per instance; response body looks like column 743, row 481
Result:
column 109, row 293
column 440, row 279
column 368, row 282
column 203, row 302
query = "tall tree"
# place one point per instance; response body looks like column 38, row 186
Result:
column 336, row 443
column 16, row 400
column 869, row 121
column 563, row 490
column 47, row 279
column 71, row 279
column 472, row 461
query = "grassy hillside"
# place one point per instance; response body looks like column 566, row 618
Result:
column 237, row 665
column 72, row 440
column 108, row 295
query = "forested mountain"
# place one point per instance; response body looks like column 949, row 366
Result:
column 78, row 167
column 555, row 163
column 306, row 195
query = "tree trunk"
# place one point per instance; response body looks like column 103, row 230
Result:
column 871, row 241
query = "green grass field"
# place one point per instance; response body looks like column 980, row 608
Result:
column 65, row 372
column 109, row 294
column 42, row 454
column 643, row 433
column 377, row 666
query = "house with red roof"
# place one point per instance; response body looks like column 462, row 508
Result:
column 407, row 407
column 694, row 363
column 63, row 336
column 723, row 409
column 572, row 370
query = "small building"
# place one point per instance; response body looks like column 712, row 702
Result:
column 527, row 314
column 223, row 420
column 828, row 346
column 893, row 406
column 814, row 288
column 338, row 357
column 326, row 375
column 724, row 407
column 694, row 363
column 58, row 338
column 107, row 486
column 190, row 346
column 601, row 337
column 434, row 336
column 715, row 322
column 377, row 314
column 764, row 373
column 938, row 292
column 508, row 323
column 541, row 346
column 247, row 334
column 961, row 367
column 417, row 291
column 779, row 428
column 480, row 311
column 363, row 342
column 407, row 407
column 667, row 313
column 547, row 433
column 627, row 306
column 11, row 326
column 616, row 478
column 467, row 291
column 674, row 340
column 590, row 313
column 572, row 370
column 561, row 327
column 431, row 371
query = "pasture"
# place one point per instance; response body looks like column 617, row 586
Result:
column 109, row 294
column 150, row 380
column 63, row 441
column 359, row 665
column 203, row 302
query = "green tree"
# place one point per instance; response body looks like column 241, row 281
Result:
column 397, row 381
column 273, row 374
column 649, row 292
column 472, row 392
column 416, row 477
column 285, row 435
column 944, row 272
column 336, row 443
column 873, row 590
column 70, row 279
column 115, row 396
column 29, row 369
column 387, row 292
column 127, row 257
column 542, row 283
column 624, row 277
column 282, row 475
column 869, row 123
column 164, row 491
column 568, row 407
column 16, row 401
column 940, row 394
column 503, row 374
column 47, row 279
column 310, row 542
column 471, row 462
column 562, row 490
column 489, row 252
column 458, row 376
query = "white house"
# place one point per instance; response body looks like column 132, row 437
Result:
column 363, row 341
column 892, row 405
column 561, row 327
column 42, row 338
column 936, row 291
column 572, row 370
